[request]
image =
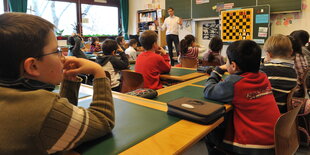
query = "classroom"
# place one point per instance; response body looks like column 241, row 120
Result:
column 188, row 77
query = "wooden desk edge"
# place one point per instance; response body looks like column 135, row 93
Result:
column 173, row 140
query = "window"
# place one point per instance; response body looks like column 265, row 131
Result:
column 1, row 7
column 62, row 14
column 102, row 20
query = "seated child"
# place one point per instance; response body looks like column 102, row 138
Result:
column 131, row 49
column 153, row 61
column 95, row 45
column 112, row 64
column 35, row 120
column 279, row 68
column 250, row 129
column 75, row 50
column 214, row 53
column 120, row 44
column 300, row 65
column 189, row 48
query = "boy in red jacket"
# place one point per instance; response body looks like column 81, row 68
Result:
column 153, row 61
column 250, row 128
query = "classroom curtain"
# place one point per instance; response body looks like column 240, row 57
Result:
column 18, row 5
column 124, row 16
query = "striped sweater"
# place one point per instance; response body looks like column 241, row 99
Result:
column 42, row 122
column 282, row 77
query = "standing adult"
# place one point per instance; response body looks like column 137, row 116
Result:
column 171, row 24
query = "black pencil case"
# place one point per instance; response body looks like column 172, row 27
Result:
column 202, row 112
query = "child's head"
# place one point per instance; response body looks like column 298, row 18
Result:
column 243, row 56
column 29, row 49
column 301, row 35
column 94, row 40
column 296, row 45
column 186, row 42
column 133, row 43
column 148, row 40
column 120, row 40
column 216, row 44
column 109, row 47
column 278, row 46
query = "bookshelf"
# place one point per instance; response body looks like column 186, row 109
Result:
column 145, row 21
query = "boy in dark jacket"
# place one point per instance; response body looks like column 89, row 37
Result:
column 250, row 130
column 111, row 63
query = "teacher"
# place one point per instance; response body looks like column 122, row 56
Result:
column 172, row 24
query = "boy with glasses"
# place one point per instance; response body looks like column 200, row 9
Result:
column 35, row 120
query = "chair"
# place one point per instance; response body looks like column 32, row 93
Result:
column 206, row 63
column 131, row 81
column 285, row 133
column 305, row 83
column 189, row 62
column 108, row 75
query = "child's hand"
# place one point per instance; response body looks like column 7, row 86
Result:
column 161, row 51
column 74, row 66
column 223, row 67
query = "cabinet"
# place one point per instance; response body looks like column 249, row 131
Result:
column 145, row 21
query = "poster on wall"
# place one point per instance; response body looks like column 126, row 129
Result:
column 209, row 30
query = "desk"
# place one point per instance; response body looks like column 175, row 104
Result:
column 178, row 73
column 177, row 136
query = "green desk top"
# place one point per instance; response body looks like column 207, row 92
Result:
column 187, row 91
column 180, row 71
column 134, row 123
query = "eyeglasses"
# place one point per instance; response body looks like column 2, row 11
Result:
column 59, row 52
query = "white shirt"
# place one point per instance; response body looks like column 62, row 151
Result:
column 171, row 24
column 131, row 52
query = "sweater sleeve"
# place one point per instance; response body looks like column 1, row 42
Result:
column 164, row 64
column 222, row 91
column 121, row 64
column 66, row 125
column 70, row 90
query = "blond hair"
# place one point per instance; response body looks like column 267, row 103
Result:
column 279, row 46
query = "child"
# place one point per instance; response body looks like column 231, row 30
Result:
column 75, row 49
column 300, row 64
column 112, row 64
column 251, row 128
column 279, row 68
column 189, row 48
column 34, row 120
column 214, row 53
column 120, row 43
column 95, row 45
column 131, row 49
column 303, row 37
column 153, row 61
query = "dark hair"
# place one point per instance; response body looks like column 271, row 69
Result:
column 21, row 36
column 246, row 54
column 93, row 40
column 108, row 46
column 215, row 45
column 119, row 39
column 301, row 35
column 186, row 42
column 132, row 42
column 71, row 40
column 147, row 39
column 171, row 8
column 296, row 45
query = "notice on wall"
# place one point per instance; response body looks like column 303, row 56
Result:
column 209, row 30
column 202, row 1
column 263, row 32
column 101, row 1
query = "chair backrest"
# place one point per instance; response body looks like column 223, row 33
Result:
column 131, row 81
column 289, row 99
column 108, row 75
column 285, row 133
column 189, row 62
column 305, row 83
column 207, row 63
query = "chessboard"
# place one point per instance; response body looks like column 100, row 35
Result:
column 237, row 25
